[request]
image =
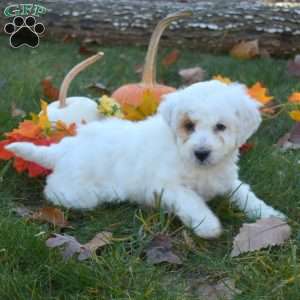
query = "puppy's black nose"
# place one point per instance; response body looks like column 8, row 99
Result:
column 202, row 155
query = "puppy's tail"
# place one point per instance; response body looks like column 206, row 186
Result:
column 42, row 155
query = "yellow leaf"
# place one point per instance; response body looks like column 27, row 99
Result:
column 295, row 115
column 149, row 103
column 259, row 93
column 245, row 50
column 222, row 79
column 146, row 108
column 294, row 98
column 44, row 122
column 44, row 107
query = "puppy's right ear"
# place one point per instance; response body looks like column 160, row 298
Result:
column 167, row 108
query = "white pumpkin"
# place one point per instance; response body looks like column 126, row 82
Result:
column 74, row 109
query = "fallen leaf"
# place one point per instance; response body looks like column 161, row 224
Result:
column 100, row 240
column 245, row 50
column 17, row 112
column 291, row 140
column 260, row 93
column 99, row 88
column 160, row 250
column 293, row 66
column 22, row 211
column 86, row 51
column 223, row 79
column 269, row 109
column 224, row 289
column 51, row 215
column 192, row 75
column 70, row 246
column 171, row 58
column 295, row 115
column 261, row 234
column 294, row 98
column 139, row 68
column 246, row 148
column 49, row 90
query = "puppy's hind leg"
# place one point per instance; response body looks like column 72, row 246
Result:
column 193, row 211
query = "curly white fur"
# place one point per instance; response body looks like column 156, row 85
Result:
column 188, row 151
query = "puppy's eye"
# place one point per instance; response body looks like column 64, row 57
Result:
column 220, row 127
column 189, row 126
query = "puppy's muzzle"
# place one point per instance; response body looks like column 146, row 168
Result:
column 202, row 154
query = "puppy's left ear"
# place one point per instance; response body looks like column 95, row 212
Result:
column 249, row 118
column 168, row 108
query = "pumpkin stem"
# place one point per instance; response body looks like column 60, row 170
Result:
column 70, row 76
column 149, row 73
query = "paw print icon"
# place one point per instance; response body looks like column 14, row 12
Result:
column 24, row 32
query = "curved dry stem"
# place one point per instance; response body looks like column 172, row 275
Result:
column 70, row 76
column 149, row 73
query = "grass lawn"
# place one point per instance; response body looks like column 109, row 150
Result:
column 29, row 270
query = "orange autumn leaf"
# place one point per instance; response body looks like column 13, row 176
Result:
column 245, row 50
column 295, row 115
column 222, row 79
column 146, row 108
column 51, row 215
column 259, row 93
column 38, row 131
column 294, row 98
column 27, row 129
column 171, row 58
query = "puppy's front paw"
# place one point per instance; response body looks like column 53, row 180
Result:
column 269, row 211
column 208, row 229
column 266, row 211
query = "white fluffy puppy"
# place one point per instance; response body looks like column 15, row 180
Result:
column 188, row 151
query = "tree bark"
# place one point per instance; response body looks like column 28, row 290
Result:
column 215, row 27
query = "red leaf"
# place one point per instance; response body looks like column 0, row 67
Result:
column 246, row 148
column 171, row 58
column 4, row 154
column 49, row 90
column 85, row 51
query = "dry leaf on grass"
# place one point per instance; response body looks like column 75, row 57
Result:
column 223, row 289
column 49, row 90
column 51, row 215
column 86, row 51
column 22, row 211
column 261, row 234
column 192, row 75
column 291, row 140
column 99, row 87
column 160, row 250
column 293, row 66
column 70, row 246
column 17, row 112
column 245, row 50
column 171, row 58
column 138, row 68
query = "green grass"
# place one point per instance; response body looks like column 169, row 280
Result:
column 28, row 270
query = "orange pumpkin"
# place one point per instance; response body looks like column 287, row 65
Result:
column 132, row 93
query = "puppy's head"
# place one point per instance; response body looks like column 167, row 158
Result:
column 210, row 120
